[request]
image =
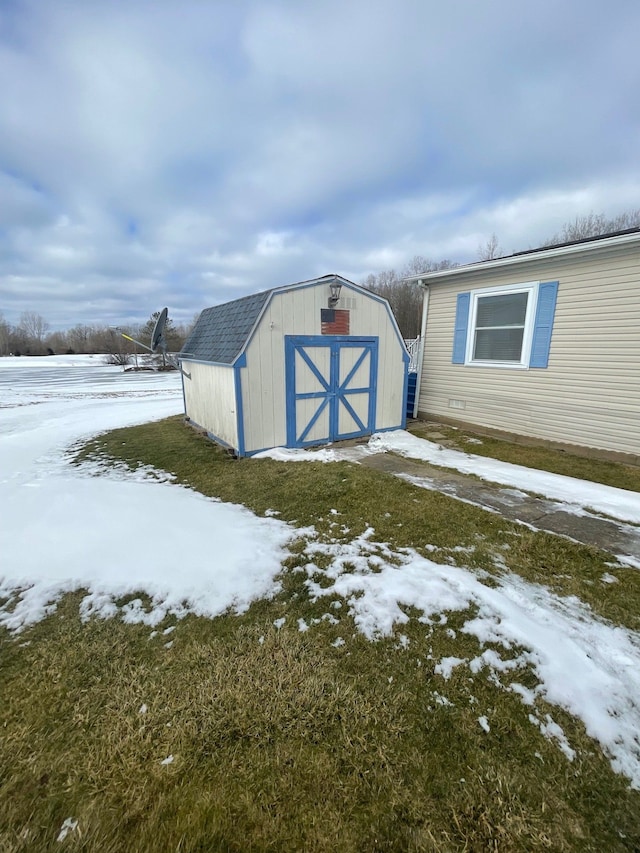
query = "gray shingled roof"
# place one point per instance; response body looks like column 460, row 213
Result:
column 220, row 332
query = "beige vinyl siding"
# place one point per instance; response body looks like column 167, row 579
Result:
column 297, row 312
column 590, row 393
column 210, row 400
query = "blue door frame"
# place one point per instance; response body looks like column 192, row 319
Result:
column 332, row 393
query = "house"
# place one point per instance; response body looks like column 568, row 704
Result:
column 543, row 343
column 296, row 366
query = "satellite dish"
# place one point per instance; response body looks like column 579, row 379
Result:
column 158, row 342
column 157, row 336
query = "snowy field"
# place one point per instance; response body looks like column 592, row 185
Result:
column 64, row 529
column 113, row 533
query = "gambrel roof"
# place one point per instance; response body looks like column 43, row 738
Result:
column 221, row 332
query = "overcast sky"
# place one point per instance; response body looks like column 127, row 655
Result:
column 184, row 153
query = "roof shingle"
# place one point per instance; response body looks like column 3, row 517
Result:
column 221, row 332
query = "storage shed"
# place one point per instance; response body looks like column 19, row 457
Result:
column 543, row 343
column 296, row 366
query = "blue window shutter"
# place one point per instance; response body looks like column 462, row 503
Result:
column 543, row 326
column 460, row 331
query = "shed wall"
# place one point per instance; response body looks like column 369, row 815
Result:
column 210, row 399
column 297, row 312
column 590, row 392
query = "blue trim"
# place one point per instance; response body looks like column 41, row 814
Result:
column 405, row 394
column 543, row 325
column 460, row 329
column 312, row 422
column 241, row 362
column 334, row 393
column 388, row 429
column 373, row 384
column 314, row 369
column 290, row 389
column 204, row 361
column 354, row 369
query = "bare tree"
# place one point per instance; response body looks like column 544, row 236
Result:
column 34, row 325
column 594, row 225
column 5, row 334
column 405, row 297
column 490, row 250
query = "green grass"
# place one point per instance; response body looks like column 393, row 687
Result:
column 282, row 741
column 618, row 474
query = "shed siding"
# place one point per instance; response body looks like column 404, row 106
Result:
column 590, row 392
column 210, row 400
column 297, row 312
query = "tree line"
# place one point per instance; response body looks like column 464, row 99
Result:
column 32, row 336
column 405, row 298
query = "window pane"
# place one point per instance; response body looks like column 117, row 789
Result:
column 498, row 344
column 508, row 309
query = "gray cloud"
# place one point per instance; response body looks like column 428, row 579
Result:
column 188, row 153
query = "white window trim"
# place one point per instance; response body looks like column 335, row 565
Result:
column 530, row 287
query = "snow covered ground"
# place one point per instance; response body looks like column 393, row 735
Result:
column 113, row 533
column 576, row 496
column 62, row 529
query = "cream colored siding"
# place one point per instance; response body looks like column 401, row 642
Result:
column 297, row 312
column 210, row 400
column 589, row 394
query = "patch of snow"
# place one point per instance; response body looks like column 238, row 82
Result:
column 580, row 494
column 447, row 665
column 583, row 664
column 278, row 623
column 287, row 454
column 608, row 578
column 120, row 533
column 625, row 560
column 68, row 825
column 552, row 731
column 484, row 724
column 527, row 696
column 302, row 625
column 338, row 642
column 167, row 760
column 143, row 709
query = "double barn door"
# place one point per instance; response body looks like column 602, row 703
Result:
column 330, row 388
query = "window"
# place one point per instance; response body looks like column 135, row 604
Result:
column 505, row 326
column 499, row 322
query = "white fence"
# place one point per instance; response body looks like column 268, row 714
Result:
column 413, row 348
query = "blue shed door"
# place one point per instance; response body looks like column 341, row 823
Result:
column 330, row 388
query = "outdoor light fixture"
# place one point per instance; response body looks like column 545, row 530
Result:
column 334, row 289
